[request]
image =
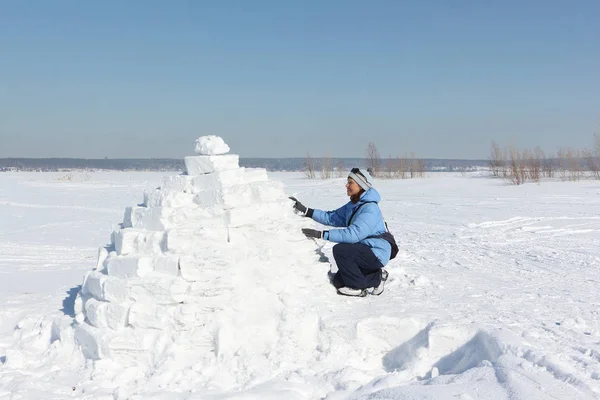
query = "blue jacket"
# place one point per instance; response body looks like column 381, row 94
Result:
column 367, row 221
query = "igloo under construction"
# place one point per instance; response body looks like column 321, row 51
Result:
column 209, row 275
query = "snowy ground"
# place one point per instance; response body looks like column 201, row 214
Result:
column 494, row 295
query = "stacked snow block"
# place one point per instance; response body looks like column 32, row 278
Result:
column 198, row 165
column 166, row 259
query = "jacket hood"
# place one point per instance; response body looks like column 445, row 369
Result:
column 370, row 195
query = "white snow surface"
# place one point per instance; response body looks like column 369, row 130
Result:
column 494, row 294
column 210, row 145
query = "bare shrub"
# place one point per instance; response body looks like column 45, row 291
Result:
column 412, row 166
column 537, row 166
column 403, row 167
column 504, row 167
column 590, row 163
column 516, row 174
column 563, row 165
column 548, row 167
column 391, row 167
column 326, row 168
column 497, row 160
column 309, row 167
column 592, row 158
column 574, row 164
column 569, row 161
column 533, row 161
column 400, row 167
column 420, row 168
column 373, row 159
column 568, row 164
column 526, row 163
column 339, row 169
column 523, row 165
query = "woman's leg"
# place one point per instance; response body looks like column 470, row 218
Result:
column 358, row 268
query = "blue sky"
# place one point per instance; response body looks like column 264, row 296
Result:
column 283, row 78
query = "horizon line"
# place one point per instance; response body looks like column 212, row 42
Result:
column 241, row 158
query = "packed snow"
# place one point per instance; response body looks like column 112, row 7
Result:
column 204, row 287
column 211, row 145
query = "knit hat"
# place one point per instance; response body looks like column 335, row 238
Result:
column 362, row 178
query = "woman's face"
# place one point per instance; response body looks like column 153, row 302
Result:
column 352, row 187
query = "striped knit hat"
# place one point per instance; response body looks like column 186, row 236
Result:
column 362, row 178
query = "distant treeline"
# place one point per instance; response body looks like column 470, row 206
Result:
column 167, row 164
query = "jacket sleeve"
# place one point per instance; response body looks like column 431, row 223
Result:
column 335, row 218
column 363, row 225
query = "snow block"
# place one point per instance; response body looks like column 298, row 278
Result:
column 144, row 218
column 125, row 346
column 116, row 315
column 104, row 287
column 242, row 235
column 102, row 314
column 198, row 314
column 166, row 264
column 92, row 341
column 258, row 213
column 165, row 218
column 129, row 266
column 255, row 175
column 196, row 165
column 177, row 183
column 127, row 217
column 267, row 192
column 191, row 268
column 158, row 290
column 241, row 195
column 92, row 284
column 202, row 290
column 102, row 254
column 144, row 315
column 235, row 196
column 133, row 241
column 253, row 235
column 62, row 331
column 192, row 217
column 219, row 179
column 115, row 290
column 182, row 240
column 194, row 268
column 78, row 303
column 80, row 318
column 168, row 198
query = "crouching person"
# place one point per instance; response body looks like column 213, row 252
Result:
column 364, row 243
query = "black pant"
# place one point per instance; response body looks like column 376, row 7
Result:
column 358, row 267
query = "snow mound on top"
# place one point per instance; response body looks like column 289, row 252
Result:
column 211, row 145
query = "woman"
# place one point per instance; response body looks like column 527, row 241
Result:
column 361, row 252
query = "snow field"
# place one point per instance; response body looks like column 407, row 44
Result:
column 493, row 295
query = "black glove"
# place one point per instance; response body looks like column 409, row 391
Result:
column 298, row 206
column 312, row 233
